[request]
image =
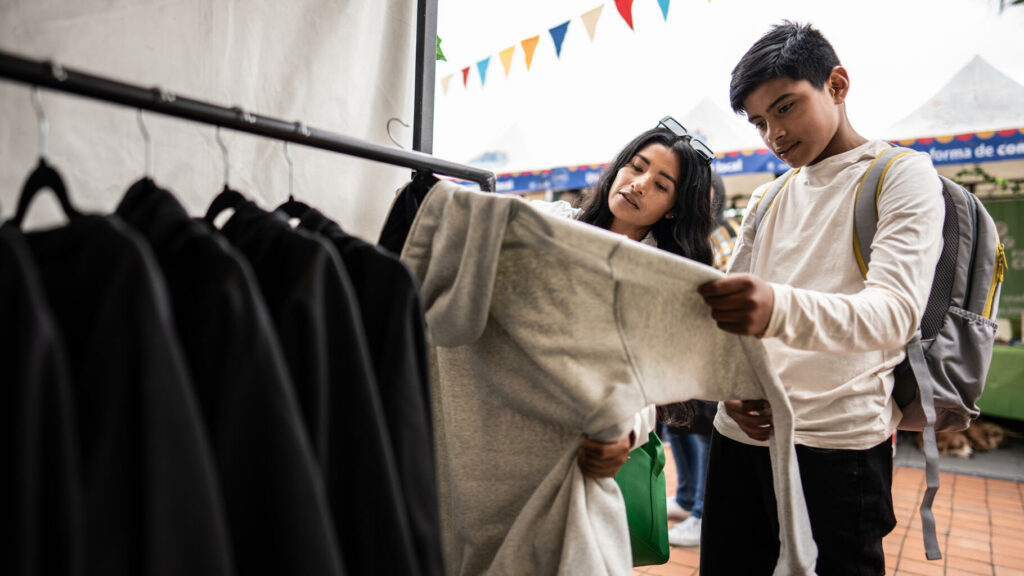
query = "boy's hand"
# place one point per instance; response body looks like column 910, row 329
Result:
column 740, row 304
column 753, row 416
column 603, row 459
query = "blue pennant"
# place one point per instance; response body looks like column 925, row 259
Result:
column 664, row 7
column 558, row 35
column 482, row 67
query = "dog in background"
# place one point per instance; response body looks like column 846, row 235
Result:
column 949, row 444
column 981, row 436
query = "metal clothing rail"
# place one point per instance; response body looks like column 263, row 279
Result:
column 53, row 76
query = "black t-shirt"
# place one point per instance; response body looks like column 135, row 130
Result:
column 150, row 495
column 276, row 505
column 314, row 308
column 43, row 515
column 392, row 318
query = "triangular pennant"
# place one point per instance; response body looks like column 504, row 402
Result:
column 590, row 20
column 465, row 76
column 444, row 82
column 664, row 7
column 626, row 10
column 506, row 58
column 558, row 35
column 529, row 45
column 481, row 66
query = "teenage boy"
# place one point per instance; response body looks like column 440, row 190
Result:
column 833, row 335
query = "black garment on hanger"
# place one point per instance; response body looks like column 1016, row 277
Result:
column 393, row 321
column 150, row 499
column 313, row 305
column 43, row 520
column 403, row 212
column 276, row 506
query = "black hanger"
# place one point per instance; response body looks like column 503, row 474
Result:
column 44, row 176
column 421, row 183
column 227, row 198
column 293, row 208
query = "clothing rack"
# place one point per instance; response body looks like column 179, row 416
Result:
column 53, row 76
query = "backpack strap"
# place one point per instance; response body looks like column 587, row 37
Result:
column 769, row 196
column 915, row 354
column 865, row 214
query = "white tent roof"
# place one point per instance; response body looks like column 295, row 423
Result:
column 722, row 130
column 979, row 98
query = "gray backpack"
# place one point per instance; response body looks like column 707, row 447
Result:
column 939, row 382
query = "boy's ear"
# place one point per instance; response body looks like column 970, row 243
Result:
column 838, row 84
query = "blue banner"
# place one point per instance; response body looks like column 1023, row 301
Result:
column 972, row 147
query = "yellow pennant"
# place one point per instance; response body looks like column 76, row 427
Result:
column 529, row 45
column 444, row 82
column 590, row 20
column 506, row 58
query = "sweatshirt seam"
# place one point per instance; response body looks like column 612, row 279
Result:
column 617, row 306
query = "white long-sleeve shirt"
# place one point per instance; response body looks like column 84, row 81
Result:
column 834, row 336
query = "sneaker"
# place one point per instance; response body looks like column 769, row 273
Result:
column 675, row 511
column 686, row 533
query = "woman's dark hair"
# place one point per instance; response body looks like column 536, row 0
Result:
column 688, row 234
column 791, row 50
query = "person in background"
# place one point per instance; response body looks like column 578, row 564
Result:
column 690, row 444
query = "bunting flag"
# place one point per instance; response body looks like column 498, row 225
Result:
column 506, row 58
column 465, row 76
column 529, row 45
column 444, row 82
column 481, row 66
column 558, row 35
column 664, row 7
column 590, row 20
column 626, row 10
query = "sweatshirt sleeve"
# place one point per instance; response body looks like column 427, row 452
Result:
column 887, row 311
column 452, row 249
column 643, row 424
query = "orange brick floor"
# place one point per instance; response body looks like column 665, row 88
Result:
column 980, row 524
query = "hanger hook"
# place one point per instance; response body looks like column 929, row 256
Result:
column 44, row 124
column 395, row 119
column 149, row 143
column 227, row 160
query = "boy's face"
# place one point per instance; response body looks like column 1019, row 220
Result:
column 797, row 120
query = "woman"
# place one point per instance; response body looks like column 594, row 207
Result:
column 657, row 190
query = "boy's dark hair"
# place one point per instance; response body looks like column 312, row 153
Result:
column 688, row 234
column 797, row 51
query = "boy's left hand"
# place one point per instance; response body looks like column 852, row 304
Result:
column 740, row 304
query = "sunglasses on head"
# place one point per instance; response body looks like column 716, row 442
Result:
column 673, row 126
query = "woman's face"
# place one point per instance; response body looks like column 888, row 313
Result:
column 644, row 189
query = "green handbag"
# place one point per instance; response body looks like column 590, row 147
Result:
column 642, row 481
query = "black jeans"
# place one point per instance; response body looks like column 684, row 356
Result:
column 849, row 500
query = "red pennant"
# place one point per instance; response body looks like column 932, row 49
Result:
column 626, row 10
column 465, row 75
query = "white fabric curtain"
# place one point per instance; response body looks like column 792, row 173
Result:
column 340, row 65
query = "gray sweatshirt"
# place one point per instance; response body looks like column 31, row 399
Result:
column 544, row 329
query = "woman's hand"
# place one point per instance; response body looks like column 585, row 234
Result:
column 603, row 459
column 753, row 416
